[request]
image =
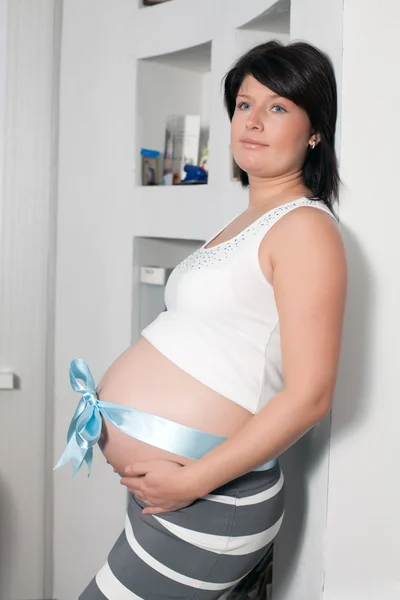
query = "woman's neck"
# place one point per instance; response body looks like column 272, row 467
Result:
column 265, row 194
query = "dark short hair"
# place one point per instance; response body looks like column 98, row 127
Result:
column 303, row 74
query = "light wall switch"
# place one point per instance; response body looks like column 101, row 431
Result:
column 154, row 275
column 7, row 380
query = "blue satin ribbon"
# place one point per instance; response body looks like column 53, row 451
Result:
column 85, row 427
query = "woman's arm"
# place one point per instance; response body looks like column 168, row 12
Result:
column 305, row 257
column 309, row 274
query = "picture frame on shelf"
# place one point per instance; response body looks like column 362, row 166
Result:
column 151, row 167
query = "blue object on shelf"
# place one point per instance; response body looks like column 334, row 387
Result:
column 149, row 153
column 194, row 173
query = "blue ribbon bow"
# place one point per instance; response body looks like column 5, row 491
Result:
column 85, row 427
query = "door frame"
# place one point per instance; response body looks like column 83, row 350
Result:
column 32, row 29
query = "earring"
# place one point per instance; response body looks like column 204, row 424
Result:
column 312, row 145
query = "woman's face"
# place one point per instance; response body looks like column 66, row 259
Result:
column 269, row 134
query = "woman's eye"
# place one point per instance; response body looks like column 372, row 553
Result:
column 280, row 109
column 243, row 105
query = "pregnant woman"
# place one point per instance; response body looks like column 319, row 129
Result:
column 244, row 360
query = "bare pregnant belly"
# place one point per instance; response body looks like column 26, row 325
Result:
column 144, row 379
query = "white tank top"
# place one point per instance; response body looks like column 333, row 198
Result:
column 221, row 325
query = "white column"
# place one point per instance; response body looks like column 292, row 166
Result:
column 363, row 529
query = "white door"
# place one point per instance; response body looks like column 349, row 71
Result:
column 29, row 32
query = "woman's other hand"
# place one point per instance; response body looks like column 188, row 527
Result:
column 162, row 485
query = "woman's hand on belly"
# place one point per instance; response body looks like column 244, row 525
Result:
column 160, row 484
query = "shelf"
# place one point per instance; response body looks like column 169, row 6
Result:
column 178, row 211
column 194, row 58
column 177, row 83
column 272, row 24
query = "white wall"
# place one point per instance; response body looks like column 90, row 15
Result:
column 363, row 529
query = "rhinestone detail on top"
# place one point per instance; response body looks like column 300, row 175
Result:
column 207, row 257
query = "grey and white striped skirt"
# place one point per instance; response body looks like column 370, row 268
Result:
column 201, row 551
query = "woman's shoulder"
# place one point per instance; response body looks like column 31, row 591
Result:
column 301, row 235
column 304, row 223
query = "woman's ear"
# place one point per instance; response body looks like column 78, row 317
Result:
column 315, row 139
